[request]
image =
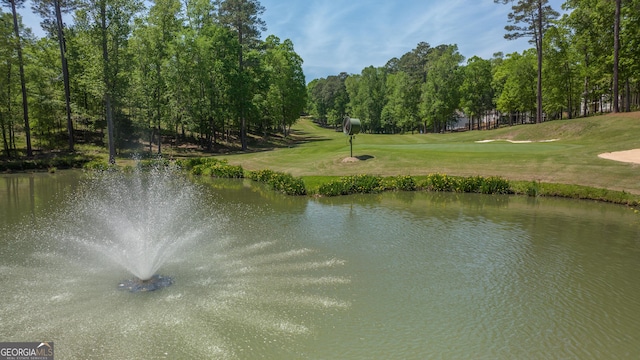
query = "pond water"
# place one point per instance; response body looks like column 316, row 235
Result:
column 387, row 276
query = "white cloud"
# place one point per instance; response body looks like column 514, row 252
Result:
column 333, row 36
column 350, row 37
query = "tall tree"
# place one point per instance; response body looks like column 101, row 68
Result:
column 7, row 61
column 531, row 18
column 476, row 93
column 561, row 77
column 515, row 81
column 329, row 99
column 415, row 61
column 629, row 54
column 242, row 16
column 286, row 96
column 215, row 73
column 51, row 12
column 18, row 45
column 441, row 92
column 616, row 56
column 401, row 108
column 592, row 35
column 108, row 25
column 163, row 25
column 367, row 96
column 46, row 95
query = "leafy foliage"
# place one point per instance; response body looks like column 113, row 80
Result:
column 281, row 182
column 356, row 184
column 400, row 183
column 472, row 184
column 211, row 167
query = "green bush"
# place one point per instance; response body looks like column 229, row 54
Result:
column 533, row 189
column 439, row 182
column 471, row 184
column 333, row 188
column 357, row 184
column 284, row 183
column 495, row 185
column 98, row 165
column 211, row 167
column 401, row 182
column 287, row 184
column 148, row 164
column 261, row 175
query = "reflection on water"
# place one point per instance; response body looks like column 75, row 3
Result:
column 397, row 275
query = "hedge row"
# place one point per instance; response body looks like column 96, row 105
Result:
column 282, row 182
column 364, row 184
column 356, row 184
column 61, row 162
column 471, row 184
column 211, row 167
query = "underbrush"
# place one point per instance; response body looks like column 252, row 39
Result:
column 367, row 184
column 211, row 167
column 278, row 181
column 364, row 184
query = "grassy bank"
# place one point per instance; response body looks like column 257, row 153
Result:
column 570, row 159
column 557, row 158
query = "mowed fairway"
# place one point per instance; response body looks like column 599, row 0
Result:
column 563, row 151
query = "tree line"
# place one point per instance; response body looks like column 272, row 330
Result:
column 193, row 69
column 583, row 63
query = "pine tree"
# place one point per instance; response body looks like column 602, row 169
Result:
column 531, row 18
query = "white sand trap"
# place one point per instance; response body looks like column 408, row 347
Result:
column 515, row 141
column 630, row 156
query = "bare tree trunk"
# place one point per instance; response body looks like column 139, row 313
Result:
column 243, row 117
column 616, row 57
column 65, row 72
column 23, row 84
column 107, row 92
column 7, row 142
column 627, row 86
column 585, row 97
column 539, row 55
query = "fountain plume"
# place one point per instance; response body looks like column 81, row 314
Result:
column 139, row 219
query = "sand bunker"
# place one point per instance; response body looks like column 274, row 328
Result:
column 515, row 141
column 630, row 156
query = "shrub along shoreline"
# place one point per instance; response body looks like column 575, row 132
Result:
column 366, row 184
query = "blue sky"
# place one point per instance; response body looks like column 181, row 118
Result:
column 333, row 36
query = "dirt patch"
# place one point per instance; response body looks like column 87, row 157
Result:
column 629, row 156
column 350, row 160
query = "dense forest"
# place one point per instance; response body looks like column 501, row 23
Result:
column 122, row 73
column 582, row 63
column 128, row 73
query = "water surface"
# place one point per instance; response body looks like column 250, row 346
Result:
column 396, row 275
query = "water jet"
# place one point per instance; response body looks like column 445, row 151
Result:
column 137, row 220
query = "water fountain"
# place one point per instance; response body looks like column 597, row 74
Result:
column 243, row 285
column 138, row 220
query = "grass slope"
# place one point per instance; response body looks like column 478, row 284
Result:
column 571, row 159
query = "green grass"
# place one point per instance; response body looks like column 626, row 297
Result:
column 572, row 159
